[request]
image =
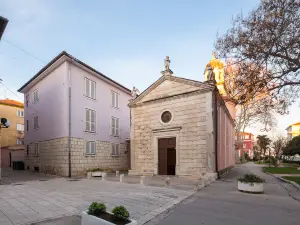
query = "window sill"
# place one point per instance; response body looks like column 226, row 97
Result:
column 112, row 155
column 87, row 97
column 89, row 132
column 87, row 155
column 117, row 108
column 115, row 136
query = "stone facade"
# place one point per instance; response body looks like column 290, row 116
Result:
column 191, row 125
column 53, row 157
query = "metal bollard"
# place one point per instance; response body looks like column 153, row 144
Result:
column 103, row 176
column 121, row 178
column 167, row 181
column 143, row 180
column 117, row 173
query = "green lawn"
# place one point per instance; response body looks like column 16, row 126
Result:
column 282, row 170
column 291, row 165
column 296, row 179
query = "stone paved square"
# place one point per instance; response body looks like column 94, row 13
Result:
column 32, row 201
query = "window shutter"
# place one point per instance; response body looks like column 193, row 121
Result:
column 93, row 121
column 87, row 87
column 93, row 90
column 113, row 146
column 93, row 147
column 113, row 126
column 117, row 149
column 117, row 100
column 87, row 147
column 112, row 99
column 87, row 120
column 117, row 127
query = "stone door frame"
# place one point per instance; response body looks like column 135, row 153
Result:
column 166, row 133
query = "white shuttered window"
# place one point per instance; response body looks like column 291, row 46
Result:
column 115, row 149
column 115, row 127
column 90, row 147
column 114, row 99
column 90, row 88
column 90, row 120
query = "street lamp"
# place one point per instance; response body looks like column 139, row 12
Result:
column 3, row 23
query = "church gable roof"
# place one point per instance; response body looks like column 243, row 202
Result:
column 169, row 85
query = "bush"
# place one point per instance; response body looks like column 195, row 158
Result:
column 96, row 209
column 251, row 178
column 121, row 212
column 95, row 170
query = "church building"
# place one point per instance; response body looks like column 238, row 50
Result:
column 182, row 127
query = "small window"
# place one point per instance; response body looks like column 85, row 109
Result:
column 36, row 149
column 114, row 99
column 27, row 100
column 35, row 122
column 20, row 127
column 27, row 150
column 90, row 88
column 166, row 117
column 27, row 125
column 20, row 113
column 244, row 145
column 19, row 142
column 115, row 127
column 90, row 148
column 247, row 136
column 35, row 96
column 115, row 149
column 90, row 120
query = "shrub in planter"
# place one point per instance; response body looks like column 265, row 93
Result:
column 97, row 215
column 251, row 178
column 96, row 209
column 120, row 212
column 251, row 183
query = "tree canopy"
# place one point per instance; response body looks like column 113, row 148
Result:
column 264, row 48
column 293, row 147
column 263, row 142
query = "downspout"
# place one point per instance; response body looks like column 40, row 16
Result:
column 216, row 131
column 69, row 133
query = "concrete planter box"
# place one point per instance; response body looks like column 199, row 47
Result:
column 251, row 187
column 97, row 174
column 93, row 220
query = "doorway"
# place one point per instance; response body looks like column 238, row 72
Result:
column 167, row 156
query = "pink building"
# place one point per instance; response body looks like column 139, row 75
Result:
column 76, row 119
column 247, row 144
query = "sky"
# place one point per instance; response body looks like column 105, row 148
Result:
column 127, row 40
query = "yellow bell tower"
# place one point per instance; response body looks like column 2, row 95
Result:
column 215, row 67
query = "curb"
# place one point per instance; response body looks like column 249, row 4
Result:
column 284, row 180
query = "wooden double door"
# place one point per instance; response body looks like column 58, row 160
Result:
column 167, row 156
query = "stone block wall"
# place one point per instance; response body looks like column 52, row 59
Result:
column 189, row 114
column 53, row 157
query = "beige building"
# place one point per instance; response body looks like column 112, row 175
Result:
column 14, row 112
column 11, row 139
column 181, row 127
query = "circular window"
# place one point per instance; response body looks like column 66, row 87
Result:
column 166, row 117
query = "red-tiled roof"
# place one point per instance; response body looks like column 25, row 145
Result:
column 295, row 124
column 11, row 102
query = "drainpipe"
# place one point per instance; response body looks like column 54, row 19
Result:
column 69, row 133
column 216, row 131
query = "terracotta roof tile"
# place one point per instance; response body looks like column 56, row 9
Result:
column 11, row 102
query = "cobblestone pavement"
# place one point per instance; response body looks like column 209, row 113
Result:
column 38, row 200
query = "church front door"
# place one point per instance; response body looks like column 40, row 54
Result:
column 167, row 156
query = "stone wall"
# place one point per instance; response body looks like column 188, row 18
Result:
column 53, row 157
column 103, row 158
column 188, row 125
